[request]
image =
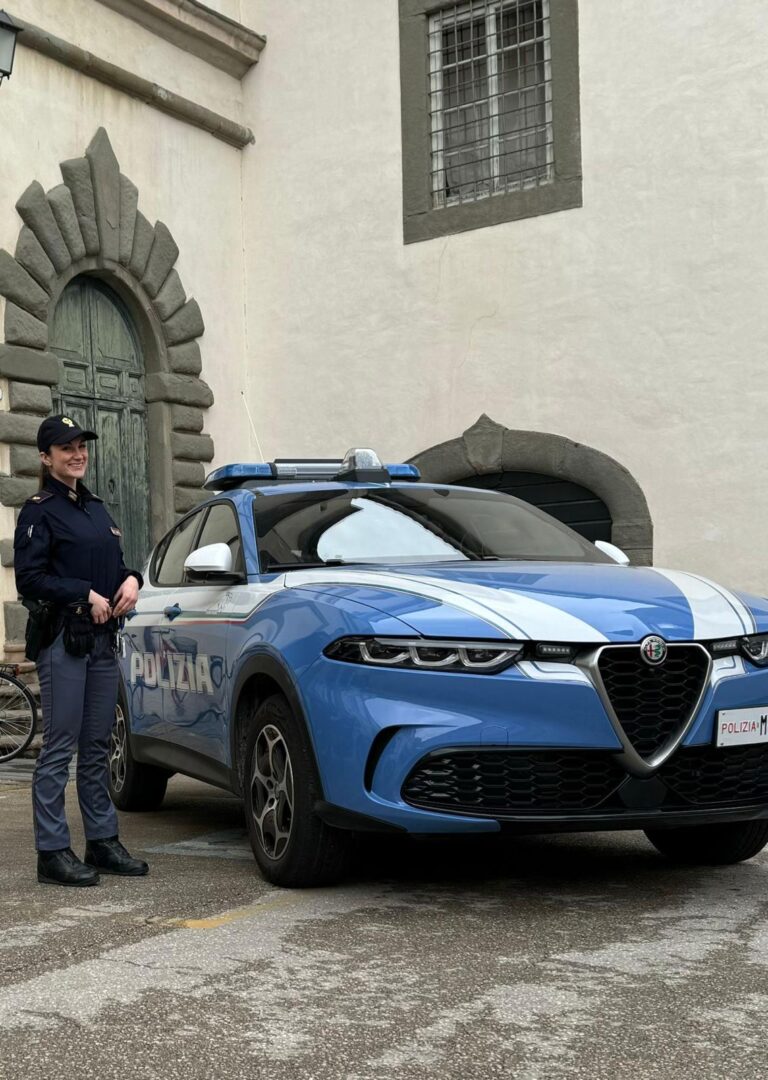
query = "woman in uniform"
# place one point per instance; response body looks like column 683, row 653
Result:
column 67, row 552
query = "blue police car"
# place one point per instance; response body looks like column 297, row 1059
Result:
column 350, row 649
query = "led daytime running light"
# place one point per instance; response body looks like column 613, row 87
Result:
column 418, row 653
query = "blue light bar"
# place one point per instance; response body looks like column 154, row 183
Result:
column 287, row 471
column 403, row 472
column 232, row 476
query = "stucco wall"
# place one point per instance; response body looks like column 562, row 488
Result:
column 635, row 324
column 185, row 177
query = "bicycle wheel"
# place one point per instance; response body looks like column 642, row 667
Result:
column 18, row 717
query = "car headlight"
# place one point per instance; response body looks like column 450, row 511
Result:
column 481, row 657
column 755, row 648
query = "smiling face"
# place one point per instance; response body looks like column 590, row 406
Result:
column 67, row 463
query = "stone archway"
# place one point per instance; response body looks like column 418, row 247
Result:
column 488, row 447
column 91, row 225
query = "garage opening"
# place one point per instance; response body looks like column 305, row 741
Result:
column 570, row 503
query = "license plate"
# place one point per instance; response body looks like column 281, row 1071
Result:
column 735, row 727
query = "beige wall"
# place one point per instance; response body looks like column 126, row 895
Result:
column 635, row 324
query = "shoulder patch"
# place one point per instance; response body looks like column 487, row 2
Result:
column 40, row 496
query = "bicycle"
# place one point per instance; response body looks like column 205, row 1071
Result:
column 18, row 714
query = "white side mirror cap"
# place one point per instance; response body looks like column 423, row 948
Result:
column 211, row 559
column 612, row 552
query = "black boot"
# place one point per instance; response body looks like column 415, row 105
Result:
column 110, row 857
column 64, row 868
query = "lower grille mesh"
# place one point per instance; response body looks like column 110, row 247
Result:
column 497, row 781
column 705, row 775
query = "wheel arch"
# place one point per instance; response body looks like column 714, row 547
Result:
column 260, row 676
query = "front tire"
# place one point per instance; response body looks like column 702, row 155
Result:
column 711, row 845
column 292, row 846
column 132, row 786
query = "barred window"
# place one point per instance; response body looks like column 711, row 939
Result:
column 490, row 112
column 490, row 99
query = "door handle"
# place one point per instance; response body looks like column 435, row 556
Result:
column 172, row 612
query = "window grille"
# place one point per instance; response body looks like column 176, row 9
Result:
column 490, row 96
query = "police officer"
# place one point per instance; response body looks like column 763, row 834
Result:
column 67, row 551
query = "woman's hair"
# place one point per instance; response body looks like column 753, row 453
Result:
column 45, row 472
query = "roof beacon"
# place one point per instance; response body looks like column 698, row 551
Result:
column 359, row 466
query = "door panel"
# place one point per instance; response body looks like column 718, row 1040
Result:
column 102, row 386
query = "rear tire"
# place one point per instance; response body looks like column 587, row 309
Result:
column 711, row 845
column 132, row 786
column 292, row 846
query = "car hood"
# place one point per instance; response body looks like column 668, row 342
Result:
column 569, row 602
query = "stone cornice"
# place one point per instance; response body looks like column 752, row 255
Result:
column 196, row 28
column 166, row 101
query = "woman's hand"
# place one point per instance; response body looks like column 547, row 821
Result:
column 126, row 597
column 101, row 609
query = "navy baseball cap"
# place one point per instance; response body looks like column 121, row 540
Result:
column 60, row 430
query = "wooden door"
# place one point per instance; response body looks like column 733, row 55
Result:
column 101, row 386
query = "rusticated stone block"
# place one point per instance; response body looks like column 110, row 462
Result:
column 17, row 428
column 484, row 444
column 189, row 474
column 15, row 491
column 185, row 325
column 178, row 389
column 31, row 256
column 21, row 328
column 186, row 418
column 29, row 365
column 63, row 209
column 30, row 398
column 77, row 177
column 18, row 285
column 6, row 552
column 143, row 237
column 129, row 201
column 171, row 297
column 185, row 359
column 444, row 463
column 105, row 177
column 192, row 447
column 185, row 499
column 163, row 255
column 25, row 461
column 35, row 211
column 15, row 621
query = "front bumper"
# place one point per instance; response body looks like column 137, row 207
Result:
column 371, row 729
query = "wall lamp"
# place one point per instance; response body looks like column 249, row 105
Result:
column 9, row 31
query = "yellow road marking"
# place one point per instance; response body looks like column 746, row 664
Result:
column 231, row 916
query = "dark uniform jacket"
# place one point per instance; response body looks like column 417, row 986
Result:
column 67, row 544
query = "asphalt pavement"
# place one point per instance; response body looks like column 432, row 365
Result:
column 549, row 957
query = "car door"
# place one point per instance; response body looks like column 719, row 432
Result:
column 146, row 632
column 196, row 671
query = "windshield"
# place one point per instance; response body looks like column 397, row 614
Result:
column 416, row 524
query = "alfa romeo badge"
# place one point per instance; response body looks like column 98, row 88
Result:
column 653, row 649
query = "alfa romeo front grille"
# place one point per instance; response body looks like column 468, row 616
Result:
column 498, row 781
column 652, row 703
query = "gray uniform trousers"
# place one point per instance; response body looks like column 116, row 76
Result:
column 78, row 697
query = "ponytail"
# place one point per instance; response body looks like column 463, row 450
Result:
column 45, row 472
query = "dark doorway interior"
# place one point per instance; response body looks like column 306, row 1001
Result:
column 570, row 503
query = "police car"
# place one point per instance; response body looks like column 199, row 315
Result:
column 350, row 649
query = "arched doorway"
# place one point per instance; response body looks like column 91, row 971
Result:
column 571, row 503
column 101, row 385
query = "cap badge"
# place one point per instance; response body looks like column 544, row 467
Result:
column 653, row 650
column 67, row 421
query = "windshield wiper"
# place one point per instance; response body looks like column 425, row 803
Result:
column 276, row 568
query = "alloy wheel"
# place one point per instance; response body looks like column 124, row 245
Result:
column 272, row 791
column 118, row 750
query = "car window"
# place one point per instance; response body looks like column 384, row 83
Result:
column 177, row 546
column 221, row 528
column 410, row 524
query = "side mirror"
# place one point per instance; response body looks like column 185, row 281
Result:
column 612, row 552
column 212, row 559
